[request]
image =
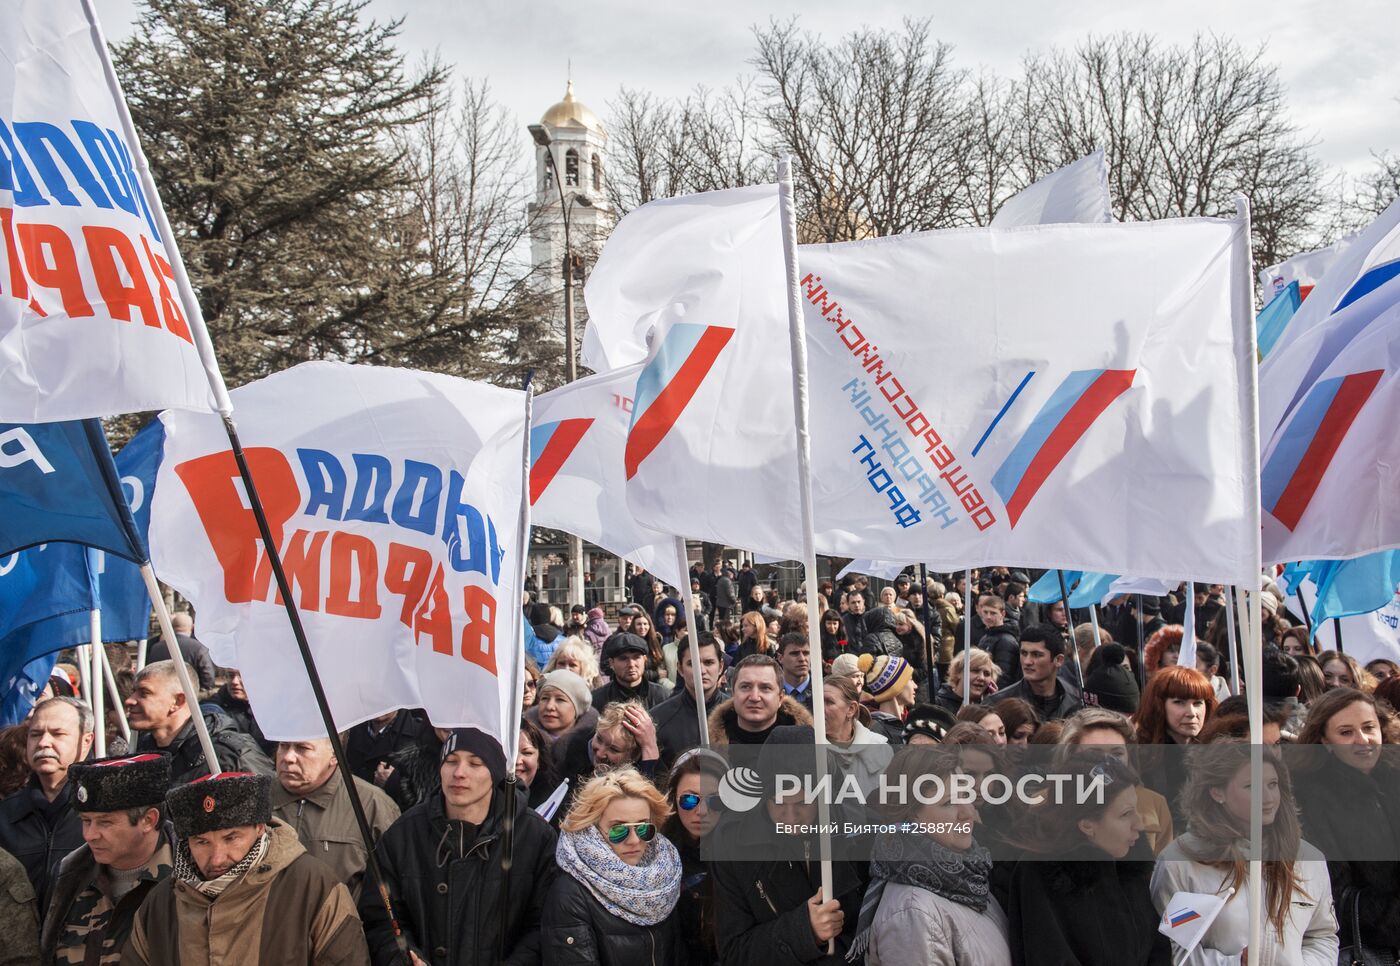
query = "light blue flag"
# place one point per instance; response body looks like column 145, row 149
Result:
column 1086, row 589
column 1274, row 317
column 1347, row 587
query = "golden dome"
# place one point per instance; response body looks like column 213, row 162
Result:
column 570, row 113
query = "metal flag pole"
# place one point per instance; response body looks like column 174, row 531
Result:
column 1236, row 653
column 182, row 670
column 122, row 725
column 929, row 669
column 967, row 637
column 787, row 210
column 692, row 624
column 1069, row 626
column 97, row 683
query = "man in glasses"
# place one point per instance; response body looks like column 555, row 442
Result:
column 442, row 865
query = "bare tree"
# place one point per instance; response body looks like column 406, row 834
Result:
column 1185, row 129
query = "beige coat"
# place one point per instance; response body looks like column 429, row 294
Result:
column 326, row 826
column 915, row 926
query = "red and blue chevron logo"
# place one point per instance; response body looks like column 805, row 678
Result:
column 1298, row 463
column 668, row 383
column 1064, row 419
column 551, row 444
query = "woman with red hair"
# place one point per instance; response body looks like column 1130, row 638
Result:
column 1162, row 648
column 1174, row 708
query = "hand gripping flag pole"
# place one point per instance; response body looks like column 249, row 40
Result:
column 195, row 317
column 797, row 336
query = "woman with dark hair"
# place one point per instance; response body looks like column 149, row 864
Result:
column 534, row 765
column 1020, row 719
column 695, row 810
column 930, row 896
column 1296, row 641
column 1082, row 893
column 1312, row 683
column 656, row 658
column 1350, row 804
column 1382, row 669
column 1212, row 858
column 833, row 636
column 985, row 716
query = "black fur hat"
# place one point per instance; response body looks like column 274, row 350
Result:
column 120, row 782
column 232, row 799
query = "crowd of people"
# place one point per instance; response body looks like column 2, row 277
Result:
column 599, row 847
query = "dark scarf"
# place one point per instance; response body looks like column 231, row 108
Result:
column 917, row 860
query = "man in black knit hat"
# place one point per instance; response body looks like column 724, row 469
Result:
column 243, row 889
column 126, row 851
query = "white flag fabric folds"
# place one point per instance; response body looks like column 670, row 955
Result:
column 91, row 320
column 1070, row 396
column 395, row 497
column 1075, row 194
column 577, row 444
column 1188, row 916
column 1331, row 472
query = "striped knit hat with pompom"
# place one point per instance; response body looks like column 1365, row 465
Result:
column 885, row 676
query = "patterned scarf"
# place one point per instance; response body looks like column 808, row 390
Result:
column 643, row 894
column 187, row 871
column 917, row 860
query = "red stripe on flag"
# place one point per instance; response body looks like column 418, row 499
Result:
column 1304, row 291
column 653, row 425
column 560, row 447
column 1106, row 388
column 1351, row 396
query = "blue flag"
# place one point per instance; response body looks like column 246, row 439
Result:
column 46, row 593
column 1274, row 317
column 1085, row 589
column 1347, row 587
column 126, row 608
column 58, row 483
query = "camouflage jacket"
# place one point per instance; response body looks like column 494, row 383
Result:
column 19, row 914
column 83, row 926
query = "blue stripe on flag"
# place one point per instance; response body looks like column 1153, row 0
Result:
column 540, row 435
column 1274, row 317
column 1008, row 476
column 1296, row 439
column 1002, row 412
column 1369, row 281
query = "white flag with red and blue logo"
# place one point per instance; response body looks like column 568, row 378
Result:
column 91, row 320
column 395, row 498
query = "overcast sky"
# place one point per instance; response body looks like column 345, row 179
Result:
column 1337, row 58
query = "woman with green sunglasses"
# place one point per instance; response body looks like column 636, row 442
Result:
column 696, row 808
column 614, row 901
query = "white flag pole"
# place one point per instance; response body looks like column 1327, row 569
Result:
column 84, row 662
column 692, row 625
column 116, row 697
column 182, row 670
column 797, row 337
column 1247, row 363
column 96, row 682
column 967, row 637
column 1236, row 654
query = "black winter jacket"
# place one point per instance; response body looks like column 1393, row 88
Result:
column 444, row 879
column 1004, row 645
column 366, row 750
column 577, row 931
column 649, row 694
column 677, row 726
column 235, row 750
column 39, row 833
column 1085, row 911
column 1347, row 813
column 242, row 714
column 880, row 637
column 761, row 916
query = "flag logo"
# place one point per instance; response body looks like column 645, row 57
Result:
column 551, row 445
column 1183, row 917
column 668, row 383
column 1370, row 280
column 1305, row 450
column 1064, row 419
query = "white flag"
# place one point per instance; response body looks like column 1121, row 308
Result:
column 577, row 444
column 1330, row 474
column 91, row 322
column 395, row 497
column 1305, row 269
column 1076, row 193
column 1188, row 916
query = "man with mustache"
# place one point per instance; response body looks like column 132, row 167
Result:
column 37, row 823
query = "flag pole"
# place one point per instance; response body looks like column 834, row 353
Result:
column 122, row 724
column 1069, row 626
column 194, row 317
column 693, row 630
column 182, row 670
column 967, row 637
column 1236, row 653
column 98, row 682
column 929, row 669
column 797, row 337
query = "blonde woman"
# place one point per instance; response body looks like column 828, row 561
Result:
column 984, row 680
column 615, row 897
column 577, row 656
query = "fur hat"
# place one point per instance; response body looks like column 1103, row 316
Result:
column 562, row 679
column 478, row 743
column 120, row 782
column 928, row 720
column 885, row 676
column 210, row 803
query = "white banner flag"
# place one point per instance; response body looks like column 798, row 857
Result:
column 91, row 320
column 1076, row 193
column 1305, row 269
column 395, row 497
column 577, row 444
column 1330, row 474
